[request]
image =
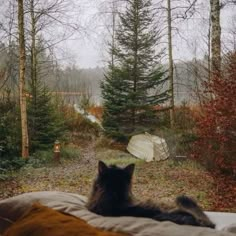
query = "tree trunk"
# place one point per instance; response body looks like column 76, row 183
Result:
column 22, row 60
column 33, row 66
column 215, row 37
column 33, row 51
column 135, row 72
column 171, row 67
column 113, row 32
column 33, row 56
column 209, row 51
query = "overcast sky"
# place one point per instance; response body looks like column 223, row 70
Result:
column 88, row 47
column 89, row 50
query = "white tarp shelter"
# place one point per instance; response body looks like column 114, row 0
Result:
column 148, row 147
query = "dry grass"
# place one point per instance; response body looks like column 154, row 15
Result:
column 159, row 181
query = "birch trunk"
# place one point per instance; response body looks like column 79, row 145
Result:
column 22, row 59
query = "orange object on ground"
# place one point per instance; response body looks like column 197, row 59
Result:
column 44, row 221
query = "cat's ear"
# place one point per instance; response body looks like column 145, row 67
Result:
column 130, row 169
column 101, row 167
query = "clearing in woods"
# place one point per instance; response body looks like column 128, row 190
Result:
column 159, row 181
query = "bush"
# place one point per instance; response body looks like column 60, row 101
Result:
column 7, row 165
column 40, row 159
column 45, row 157
column 105, row 142
column 12, row 163
column 184, row 117
column 216, row 127
column 70, row 152
column 178, row 141
column 79, row 127
column 3, row 174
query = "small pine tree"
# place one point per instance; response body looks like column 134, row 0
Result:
column 131, row 87
column 45, row 123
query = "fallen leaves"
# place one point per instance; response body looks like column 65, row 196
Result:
column 224, row 194
column 158, row 181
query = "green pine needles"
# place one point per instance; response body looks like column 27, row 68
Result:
column 44, row 121
column 133, row 84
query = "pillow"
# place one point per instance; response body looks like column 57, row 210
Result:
column 74, row 204
column 43, row 221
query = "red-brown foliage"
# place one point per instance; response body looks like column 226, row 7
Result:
column 222, row 194
column 97, row 111
column 217, row 125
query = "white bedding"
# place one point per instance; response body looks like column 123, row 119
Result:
column 11, row 209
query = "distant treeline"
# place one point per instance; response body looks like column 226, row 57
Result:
column 187, row 76
column 187, row 81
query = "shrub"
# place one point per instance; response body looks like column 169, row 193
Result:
column 70, row 152
column 184, row 117
column 40, row 158
column 97, row 111
column 179, row 142
column 79, row 127
column 216, row 127
column 12, row 163
column 105, row 142
column 45, row 157
column 181, row 138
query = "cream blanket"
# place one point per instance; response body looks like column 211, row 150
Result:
column 11, row 209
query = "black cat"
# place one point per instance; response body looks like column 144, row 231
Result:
column 112, row 196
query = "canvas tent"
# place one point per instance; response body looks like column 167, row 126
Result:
column 148, row 147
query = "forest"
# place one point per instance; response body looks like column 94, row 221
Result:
column 167, row 68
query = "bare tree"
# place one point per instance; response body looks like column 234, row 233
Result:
column 33, row 54
column 22, row 62
column 171, row 67
column 215, row 36
column 174, row 11
column 3, row 77
column 9, row 37
column 44, row 17
column 114, row 12
column 233, row 34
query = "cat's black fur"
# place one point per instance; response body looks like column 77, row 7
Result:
column 112, row 196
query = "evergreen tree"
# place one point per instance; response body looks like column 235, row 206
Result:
column 9, row 126
column 10, row 131
column 45, row 123
column 131, row 87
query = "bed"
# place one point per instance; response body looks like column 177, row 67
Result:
column 12, row 209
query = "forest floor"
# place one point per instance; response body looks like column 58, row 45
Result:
column 159, row 181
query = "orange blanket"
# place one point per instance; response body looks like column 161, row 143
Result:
column 44, row 221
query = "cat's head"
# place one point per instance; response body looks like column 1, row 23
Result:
column 113, row 179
